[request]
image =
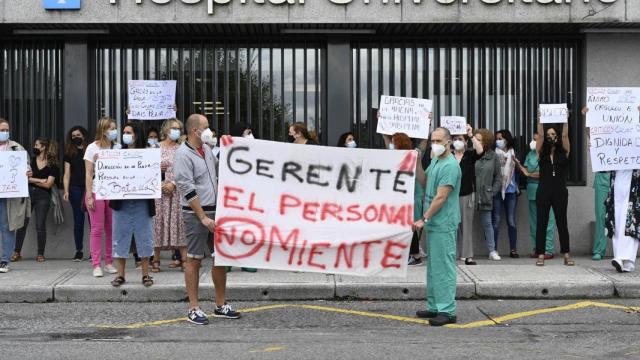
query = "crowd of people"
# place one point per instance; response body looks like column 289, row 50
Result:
column 459, row 179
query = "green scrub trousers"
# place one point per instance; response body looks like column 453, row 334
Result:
column 601, row 186
column 441, row 272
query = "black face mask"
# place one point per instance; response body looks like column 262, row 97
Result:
column 76, row 141
column 551, row 140
column 290, row 138
column 36, row 152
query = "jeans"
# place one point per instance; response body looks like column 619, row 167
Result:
column 76, row 197
column 8, row 237
column 487, row 226
column 509, row 205
column 40, row 202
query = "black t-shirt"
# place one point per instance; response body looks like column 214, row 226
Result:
column 44, row 173
column 77, row 168
column 468, row 168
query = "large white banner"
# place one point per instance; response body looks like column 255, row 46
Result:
column 13, row 174
column 614, row 127
column 317, row 209
column 404, row 115
column 152, row 99
column 128, row 174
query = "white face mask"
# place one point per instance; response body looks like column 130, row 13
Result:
column 500, row 144
column 532, row 145
column 206, row 136
column 458, row 145
column 174, row 134
column 152, row 142
column 112, row 135
column 248, row 136
column 391, row 146
column 438, row 149
column 213, row 142
column 353, row 145
column 127, row 139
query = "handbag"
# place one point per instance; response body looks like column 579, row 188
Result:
column 56, row 202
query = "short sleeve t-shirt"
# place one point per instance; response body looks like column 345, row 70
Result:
column 45, row 172
column 443, row 172
column 76, row 164
column 93, row 149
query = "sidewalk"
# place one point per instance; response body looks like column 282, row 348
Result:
column 66, row 281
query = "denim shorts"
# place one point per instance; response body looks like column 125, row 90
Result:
column 132, row 220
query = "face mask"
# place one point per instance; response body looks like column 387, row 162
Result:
column 213, row 142
column 248, row 136
column 352, row 144
column 458, row 145
column 36, row 152
column 4, row 136
column 127, row 139
column 532, row 145
column 152, row 142
column 438, row 149
column 391, row 146
column 551, row 139
column 500, row 144
column 76, row 141
column 174, row 134
column 112, row 135
column 291, row 138
column 206, row 136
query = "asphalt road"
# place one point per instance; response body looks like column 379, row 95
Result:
column 486, row 329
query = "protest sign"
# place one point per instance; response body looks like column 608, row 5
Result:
column 128, row 174
column 13, row 174
column 457, row 125
column 614, row 127
column 152, row 99
column 613, row 105
column 553, row 113
column 281, row 206
column 404, row 115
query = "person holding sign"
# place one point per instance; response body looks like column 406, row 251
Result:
column 622, row 216
column 13, row 211
column 99, row 211
column 531, row 170
column 132, row 219
column 197, row 179
column 442, row 181
column 553, row 154
column 507, row 199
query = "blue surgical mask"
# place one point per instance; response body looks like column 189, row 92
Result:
column 500, row 144
column 152, row 142
column 127, row 139
column 174, row 134
column 4, row 136
column 112, row 135
column 352, row 144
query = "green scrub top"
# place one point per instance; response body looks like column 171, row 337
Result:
column 445, row 172
column 531, row 163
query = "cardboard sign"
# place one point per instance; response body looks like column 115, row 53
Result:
column 612, row 106
column 281, row 206
column 404, row 115
column 553, row 113
column 152, row 100
column 14, row 182
column 457, row 125
column 128, row 174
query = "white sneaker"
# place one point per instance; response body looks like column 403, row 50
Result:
column 494, row 256
column 628, row 266
column 110, row 269
column 97, row 271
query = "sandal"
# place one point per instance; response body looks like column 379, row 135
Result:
column 155, row 266
column 40, row 258
column 176, row 264
column 119, row 280
column 540, row 262
column 569, row 262
column 16, row 256
column 147, row 281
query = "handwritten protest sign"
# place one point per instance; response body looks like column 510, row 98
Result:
column 128, row 174
column 614, row 128
column 152, row 99
column 457, row 125
column 404, row 115
column 13, row 174
column 282, row 207
column 612, row 105
column 553, row 113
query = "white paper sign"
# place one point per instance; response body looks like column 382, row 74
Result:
column 128, row 174
column 613, row 105
column 553, row 113
column 13, row 174
column 152, row 99
column 457, row 125
column 281, row 206
column 404, row 115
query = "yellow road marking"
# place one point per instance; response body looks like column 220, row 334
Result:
column 269, row 349
column 470, row 325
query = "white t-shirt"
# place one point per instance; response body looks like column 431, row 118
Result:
column 93, row 149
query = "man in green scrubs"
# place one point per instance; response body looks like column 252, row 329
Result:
column 441, row 220
column 601, row 187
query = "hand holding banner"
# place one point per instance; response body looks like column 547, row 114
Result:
column 281, row 206
column 457, row 125
column 151, row 99
column 128, row 174
column 13, row 174
column 404, row 115
column 553, row 113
